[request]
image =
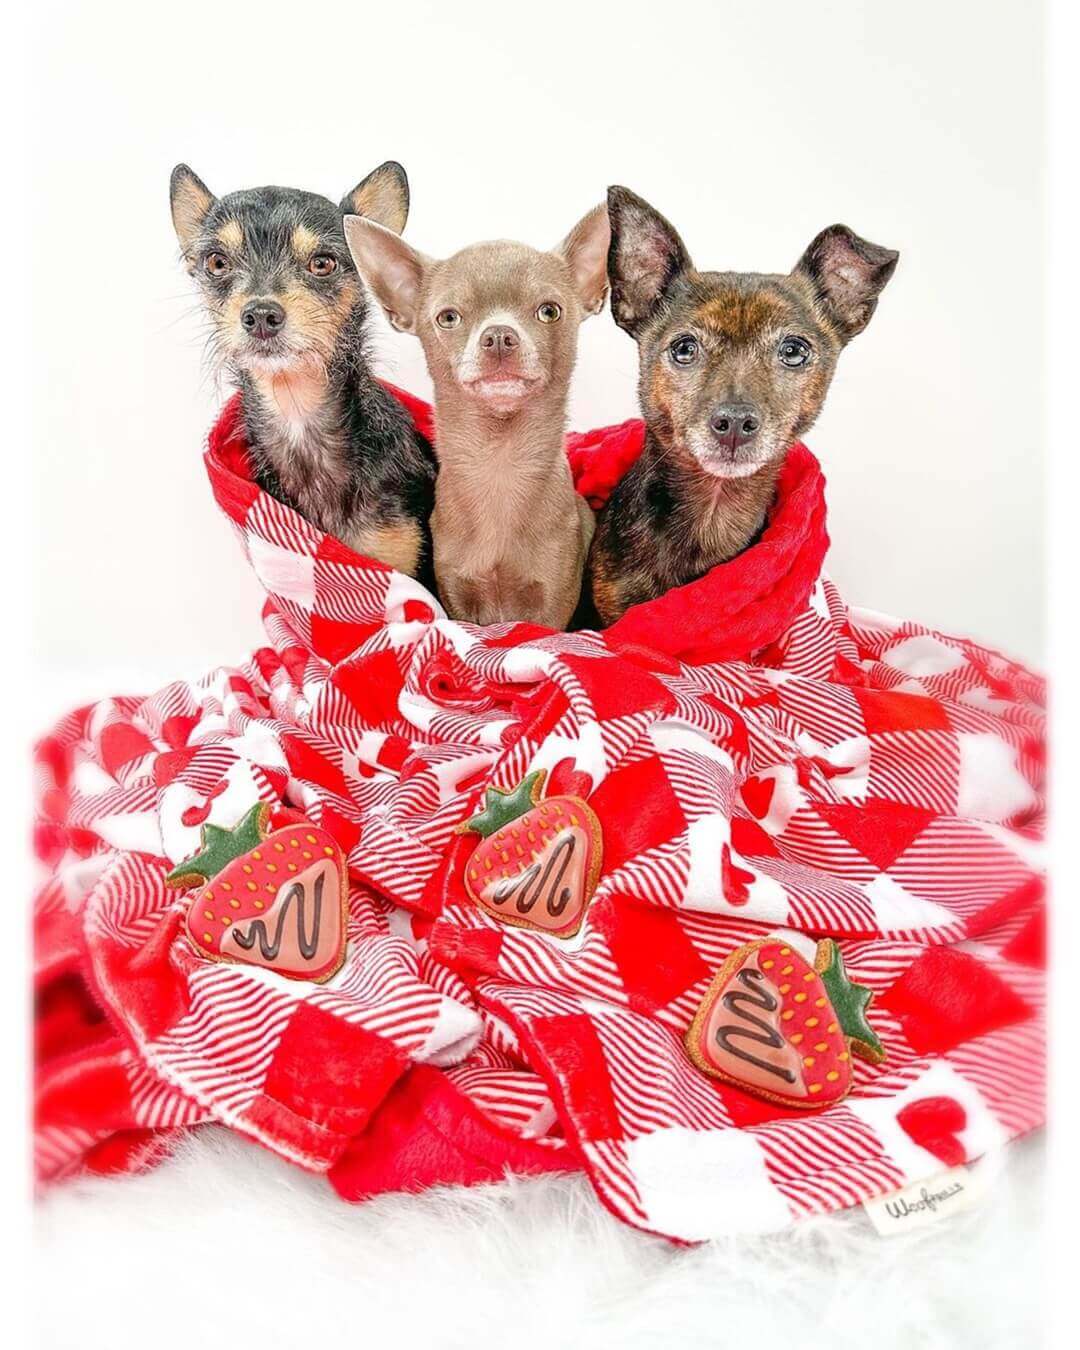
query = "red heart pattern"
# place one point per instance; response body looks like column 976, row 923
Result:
column 757, row 794
column 736, row 880
column 935, row 1123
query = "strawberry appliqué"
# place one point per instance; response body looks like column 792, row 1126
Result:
column 538, row 860
column 273, row 898
column 781, row 1028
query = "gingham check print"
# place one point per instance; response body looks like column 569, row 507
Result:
column 858, row 778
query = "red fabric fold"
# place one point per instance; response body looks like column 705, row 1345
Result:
column 738, row 608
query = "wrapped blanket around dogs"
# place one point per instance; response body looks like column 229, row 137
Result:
column 761, row 760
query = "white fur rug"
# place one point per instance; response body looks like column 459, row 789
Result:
column 225, row 1246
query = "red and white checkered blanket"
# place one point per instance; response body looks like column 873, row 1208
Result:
column 761, row 759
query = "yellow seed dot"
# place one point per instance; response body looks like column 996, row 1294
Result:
column 271, row 867
column 784, row 988
column 786, row 1016
column 247, row 868
column 259, row 904
column 815, row 1087
column 252, row 886
column 842, row 1056
column 821, row 1047
column 208, row 913
column 257, row 856
column 306, row 854
column 225, row 919
column 767, row 965
column 209, row 895
column 292, row 867
column 235, row 904
column 573, row 818
column 311, row 838
column 785, row 951
column 808, row 1061
column 487, row 864
column 810, row 975
column 800, row 998
column 812, row 1021
column 532, row 837
column 473, row 874
column 328, row 850
column 832, row 1076
column 819, row 1003
column 271, row 887
column 831, row 1027
column 505, row 857
column 208, row 937
column 294, row 843
column 787, row 970
column 280, row 848
column 797, row 1038
column 226, row 885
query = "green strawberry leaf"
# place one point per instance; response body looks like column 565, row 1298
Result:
column 502, row 808
column 219, row 847
column 850, row 1002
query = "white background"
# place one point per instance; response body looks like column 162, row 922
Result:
column 933, row 50
column 751, row 126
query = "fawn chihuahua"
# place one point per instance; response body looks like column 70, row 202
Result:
column 734, row 368
column 498, row 323
column 288, row 324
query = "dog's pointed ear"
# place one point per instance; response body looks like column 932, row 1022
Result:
column 585, row 249
column 848, row 274
column 383, row 197
column 392, row 269
column 645, row 257
column 190, row 200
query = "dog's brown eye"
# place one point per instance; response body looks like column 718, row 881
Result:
column 793, row 352
column 217, row 265
column 549, row 312
column 322, row 265
column 684, row 350
column 448, row 318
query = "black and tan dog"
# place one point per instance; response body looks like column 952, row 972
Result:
column 734, row 368
column 288, row 323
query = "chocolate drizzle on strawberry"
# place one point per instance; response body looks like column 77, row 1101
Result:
column 257, row 931
column 755, row 1029
column 538, row 860
column 548, row 887
column 784, row 1022
column 273, row 898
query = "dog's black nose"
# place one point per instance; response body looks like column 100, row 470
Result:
column 499, row 339
column 263, row 318
column 735, row 425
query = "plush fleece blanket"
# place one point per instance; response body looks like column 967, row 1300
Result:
column 756, row 775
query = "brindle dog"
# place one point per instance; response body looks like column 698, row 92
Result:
column 289, row 321
column 734, row 368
